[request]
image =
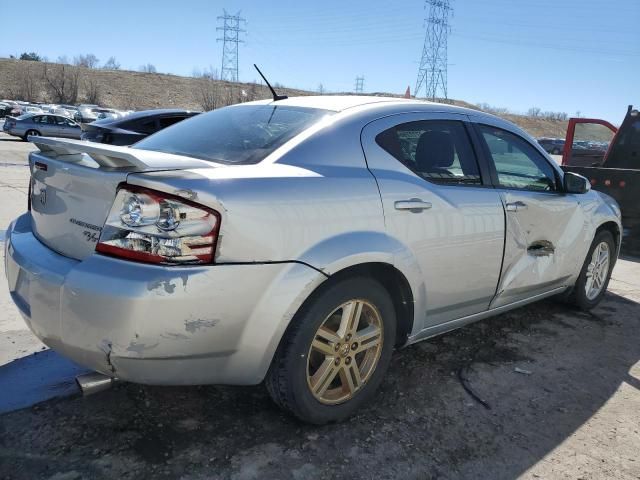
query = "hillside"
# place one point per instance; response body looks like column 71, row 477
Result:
column 124, row 89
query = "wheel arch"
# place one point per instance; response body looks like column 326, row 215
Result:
column 394, row 282
column 390, row 277
column 614, row 229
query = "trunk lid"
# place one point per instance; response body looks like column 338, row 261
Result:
column 74, row 183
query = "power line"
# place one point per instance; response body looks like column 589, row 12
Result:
column 230, row 39
column 432, row 73
column 359, row 84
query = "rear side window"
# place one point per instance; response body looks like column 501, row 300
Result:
column 168, row 121
column 148, row 126
column 241, row 134
column 436, row 150
column 517, row 163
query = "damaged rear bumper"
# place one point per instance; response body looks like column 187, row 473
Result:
column 153, row 324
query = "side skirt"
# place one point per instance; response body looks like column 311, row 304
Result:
column 436, row 330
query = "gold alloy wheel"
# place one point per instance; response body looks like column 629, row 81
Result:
column 345, row 351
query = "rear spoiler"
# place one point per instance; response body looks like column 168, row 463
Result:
column 112, row 156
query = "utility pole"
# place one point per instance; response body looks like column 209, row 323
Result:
column 359, row 84
column 230, row 39
column 432, row 73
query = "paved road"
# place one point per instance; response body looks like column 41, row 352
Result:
column 575, row 414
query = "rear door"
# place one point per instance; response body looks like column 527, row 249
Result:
column 545, row 228
column 49, row 127
column 437, row 203
column 62, row 126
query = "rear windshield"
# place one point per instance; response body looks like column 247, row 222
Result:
column 24, row 116
column 235, row 135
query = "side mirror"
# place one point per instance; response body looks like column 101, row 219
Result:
column 574, row 183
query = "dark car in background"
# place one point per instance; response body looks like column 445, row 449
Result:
column 36, row 125
column 554, row 146
column 134, row 127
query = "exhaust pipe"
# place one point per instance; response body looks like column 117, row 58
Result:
column 94, row 382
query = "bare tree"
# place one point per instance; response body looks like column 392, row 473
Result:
column 61, row 82
column 209, row 94
column 148, row 68
column 92, row 91
column 89, row 61
column 27, row 84
column 533, row 112
column 320, row 89
column 111, row 64
column 253, row 92
column 63, row 59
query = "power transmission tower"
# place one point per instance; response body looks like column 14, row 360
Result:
column 230, row 39
column 359, row 84
column 432, row 73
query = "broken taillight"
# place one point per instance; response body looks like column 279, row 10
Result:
column 155, row 227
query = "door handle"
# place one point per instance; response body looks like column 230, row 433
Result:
column 414, row 205
column 516, row 206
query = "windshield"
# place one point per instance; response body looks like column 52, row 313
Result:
column 235, row 135
column 24, row 116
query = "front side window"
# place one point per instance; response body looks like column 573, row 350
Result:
column 243, row 134
column 436, row 150
column 518, row 164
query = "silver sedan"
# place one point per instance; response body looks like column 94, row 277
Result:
column 298, row 242
column 46, row 125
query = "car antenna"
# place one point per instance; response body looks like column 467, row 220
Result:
column 276, row 97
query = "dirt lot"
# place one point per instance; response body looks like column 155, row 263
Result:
column 573, row 413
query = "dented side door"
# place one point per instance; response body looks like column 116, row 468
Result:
column 545, row 227
column 544, row 238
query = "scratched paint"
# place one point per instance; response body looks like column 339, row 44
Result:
column 33, row 379
column 192, row 326
column 166, row 284
column 140, row 348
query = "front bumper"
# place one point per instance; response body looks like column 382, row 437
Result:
column 152, row 324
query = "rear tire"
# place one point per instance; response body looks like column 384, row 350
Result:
column 594, row 277
column 334, row 355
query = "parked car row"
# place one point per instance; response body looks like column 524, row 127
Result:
column 553, row 146
column 92, row 123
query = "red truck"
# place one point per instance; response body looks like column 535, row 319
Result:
column 612, row 169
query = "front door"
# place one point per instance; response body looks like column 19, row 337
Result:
column 545, row 239
column 438, row 205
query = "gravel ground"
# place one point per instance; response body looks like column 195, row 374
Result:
column 570, row 410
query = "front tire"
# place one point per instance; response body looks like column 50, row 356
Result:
column 596, row 272
column 335, row 353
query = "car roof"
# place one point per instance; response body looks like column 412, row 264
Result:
column 159, row 111
column 340, row 103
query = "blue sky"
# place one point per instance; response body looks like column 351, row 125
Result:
column 561, row 55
